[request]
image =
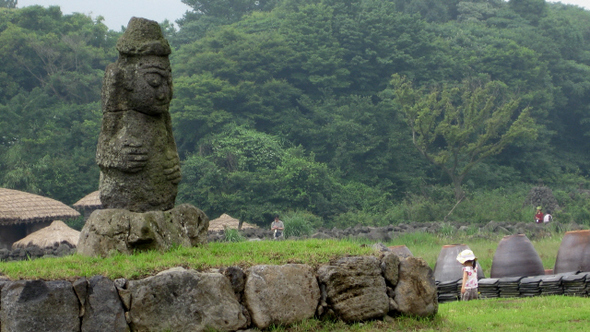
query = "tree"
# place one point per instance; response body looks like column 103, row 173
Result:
column 455, row 128
column 531, row 10
column 8, row 3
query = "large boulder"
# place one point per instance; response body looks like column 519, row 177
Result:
column 32, row 306
column 125, row 231
column 280, row 295
column 102, row 309
column 415, row 293
column 355, row 288
column 184, row 300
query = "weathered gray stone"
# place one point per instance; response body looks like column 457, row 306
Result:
column 415, row 294
column 237, row 279
column 355, row 288
column 184, row 300
column 81, row 289
column 281, row 295
column 379, row 247
column 103, row 308
column 136, row 152
column 390, row 267
column 125, row 231
column 124, row 293
column 32, row 306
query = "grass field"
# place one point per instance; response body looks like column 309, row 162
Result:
column 542, row 314
column 246, row 254
column 552, row 313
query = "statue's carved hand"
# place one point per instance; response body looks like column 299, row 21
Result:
column 172, row 168
column 135, row 157
column 173, row 174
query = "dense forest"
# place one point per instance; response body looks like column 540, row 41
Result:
column 345, row 111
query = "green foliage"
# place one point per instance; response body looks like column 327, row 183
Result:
column 77, row 223
column 475, row 121
column 233, row 235
column 285, row 106
column 298, row 224
column 8, row 3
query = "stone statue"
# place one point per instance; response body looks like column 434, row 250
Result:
column 136, row 151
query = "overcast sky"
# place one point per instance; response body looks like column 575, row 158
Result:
column 117, row 13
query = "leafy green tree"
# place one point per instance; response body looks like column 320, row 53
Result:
column 208, row 15
column 50, row 146
column 250, row 175
column 455, row 128
column 532, row 10
column 8, row 3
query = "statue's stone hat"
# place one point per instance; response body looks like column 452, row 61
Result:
column 143, row 37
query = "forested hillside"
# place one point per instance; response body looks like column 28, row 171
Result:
column 346, row 111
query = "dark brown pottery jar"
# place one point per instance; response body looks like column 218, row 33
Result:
column 574, row 252
column 516, row 257
column 447, row 267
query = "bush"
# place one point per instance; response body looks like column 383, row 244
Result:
column 298, row 224
column 233, row 235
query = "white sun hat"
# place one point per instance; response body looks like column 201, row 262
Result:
column 466, row 255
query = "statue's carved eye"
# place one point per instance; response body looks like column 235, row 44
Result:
column 154, row 79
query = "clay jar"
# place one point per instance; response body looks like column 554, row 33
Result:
column 574, row 252
column 516, row 257
column 401, row 251
column 447, row 267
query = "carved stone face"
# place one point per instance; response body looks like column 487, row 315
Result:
column 151, row 90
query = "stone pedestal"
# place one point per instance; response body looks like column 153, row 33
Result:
column 119, row 230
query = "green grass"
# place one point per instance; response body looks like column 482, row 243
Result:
column 546, row 313
column 550, row 313
column 246, row 254
column 212, row 255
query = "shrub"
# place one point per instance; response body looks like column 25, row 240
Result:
column 233, row 235
column 298, row 224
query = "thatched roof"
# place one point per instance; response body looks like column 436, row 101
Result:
column 90, row 201
column 47, row 237
column 226, row 221
column 18, row 207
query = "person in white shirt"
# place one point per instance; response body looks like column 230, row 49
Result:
column 277, row 226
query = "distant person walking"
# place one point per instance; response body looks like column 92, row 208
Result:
column 469, row 284
column 539, row 215
column 277, row 227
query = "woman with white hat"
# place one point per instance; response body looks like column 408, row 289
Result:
column 469, row 285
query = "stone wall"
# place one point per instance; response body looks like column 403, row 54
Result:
column 353, row 289
column 33, row 252
column 387, row 233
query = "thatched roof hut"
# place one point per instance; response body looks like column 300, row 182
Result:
column 50, row 236
column 18, row 207
column 89, row 203
column 226, row 221
column 23, row 213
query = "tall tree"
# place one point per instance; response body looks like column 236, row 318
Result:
column 455, row 128
column 8, row 3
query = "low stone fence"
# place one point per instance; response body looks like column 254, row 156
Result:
column 571, row 283
column 32, row 252
column 389, row 232
column 353, row 289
